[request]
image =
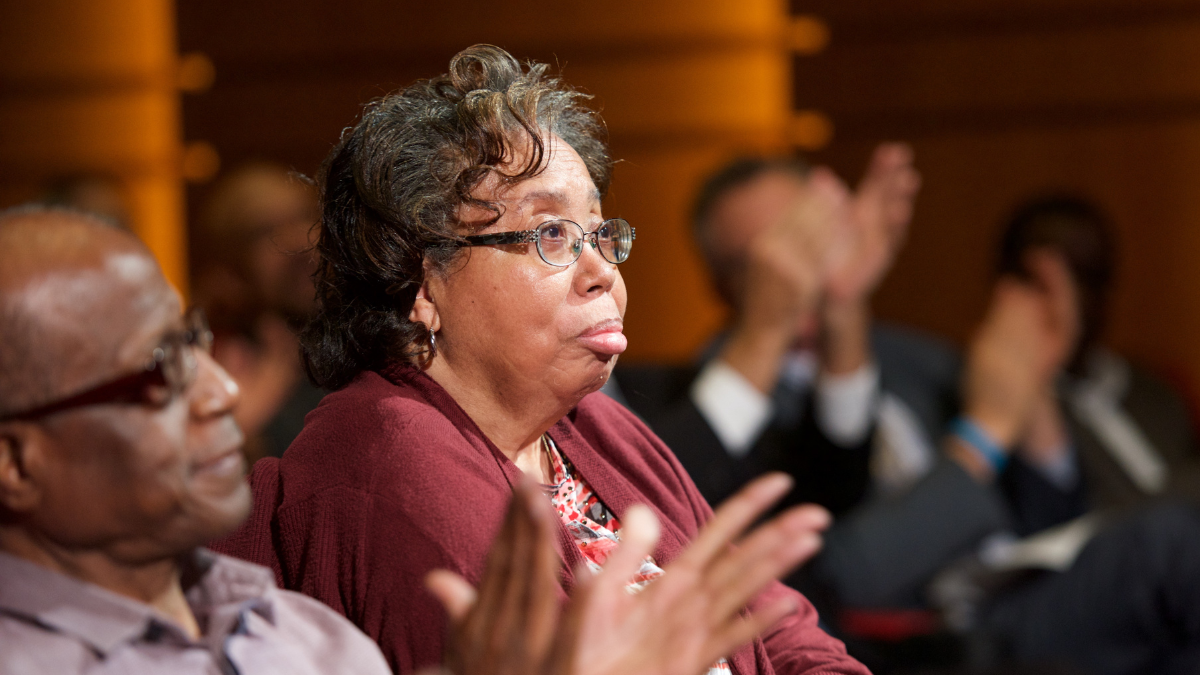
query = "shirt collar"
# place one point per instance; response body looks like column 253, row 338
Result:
column 105, row 620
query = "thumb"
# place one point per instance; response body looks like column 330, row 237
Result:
column 455, row 594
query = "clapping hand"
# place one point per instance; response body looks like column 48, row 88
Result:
column 873, row 228
column 679, row 625
column 1026, row 337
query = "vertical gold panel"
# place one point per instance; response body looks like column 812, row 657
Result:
column 90, row 88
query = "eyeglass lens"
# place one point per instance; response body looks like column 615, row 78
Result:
column 176, row 356
column 560, row 242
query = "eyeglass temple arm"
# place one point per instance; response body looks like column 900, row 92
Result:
column 502, row 238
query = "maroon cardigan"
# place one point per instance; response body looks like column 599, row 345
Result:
column 390, row 478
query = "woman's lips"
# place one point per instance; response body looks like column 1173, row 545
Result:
column 605, row 338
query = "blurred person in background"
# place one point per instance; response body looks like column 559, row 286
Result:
column 96, row 193
column 792, row 383
column 931, row 495
column 1107, row 435
column 469, row 308
column 252, row 269
column 119, row 459
column 1033, row 450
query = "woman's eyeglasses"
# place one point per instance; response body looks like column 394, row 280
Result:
column 560, row 242
column 169, row 370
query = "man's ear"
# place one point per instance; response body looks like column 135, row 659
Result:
column 424, row 310
column 19, row 445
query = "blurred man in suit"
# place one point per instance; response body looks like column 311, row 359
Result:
column 943, row 456
column 791, row 384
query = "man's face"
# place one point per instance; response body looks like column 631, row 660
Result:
column 281, row 258
column 742, row 214
column 138, row 482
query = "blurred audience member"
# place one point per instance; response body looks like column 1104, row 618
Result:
column 252, row 269
column 954, row 511
column 119, row 459
column 95, row 193
column 791, row 384
column 1108, row 435
column 1038, row 445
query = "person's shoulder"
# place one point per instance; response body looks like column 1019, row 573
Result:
column 371, row 394
column 333, row 643
column 364, row 437
column 29, row 648
column 366, row 413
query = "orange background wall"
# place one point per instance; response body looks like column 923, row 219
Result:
column 92, row 87
column 1000, row 98
column 1004, row 98
column 681, row 85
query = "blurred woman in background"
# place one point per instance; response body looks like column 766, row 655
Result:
column 252, row 268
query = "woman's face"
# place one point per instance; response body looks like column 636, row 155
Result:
column 514, row 324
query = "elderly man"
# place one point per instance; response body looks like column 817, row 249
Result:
column 119, row 458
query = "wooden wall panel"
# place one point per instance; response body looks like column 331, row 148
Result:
column 91, row 88
column 681, row 85
column 1004, row 100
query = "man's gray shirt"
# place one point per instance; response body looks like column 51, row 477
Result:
column 54, row 624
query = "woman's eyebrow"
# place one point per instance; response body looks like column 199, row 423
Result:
column 559, row 198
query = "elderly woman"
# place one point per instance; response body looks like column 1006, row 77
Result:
column 469, row 307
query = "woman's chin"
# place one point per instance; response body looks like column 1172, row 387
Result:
column 595, row 377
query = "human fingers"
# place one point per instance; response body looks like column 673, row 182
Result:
column 810, row 220
column 741, row 630
column 455, row 594
column 766, row 554
column 544, row 607
column 1053, row 275
column 888, row 162
column 734, row 516
column 497, row 633
column 640, row 531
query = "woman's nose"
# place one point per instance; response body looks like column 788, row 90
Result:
column 594, row 274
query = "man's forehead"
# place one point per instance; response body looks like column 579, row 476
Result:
column 90, row 296
column 107, row 312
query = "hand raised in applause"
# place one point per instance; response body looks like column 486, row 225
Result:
column 866, row 240
column 678, row 625
column 865, row 243
column 1026, row 337
column 785, row 272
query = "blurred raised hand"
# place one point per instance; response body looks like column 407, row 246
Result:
column 678, row 625
column 1026, row 337
column 786, row 268
column 867, row 239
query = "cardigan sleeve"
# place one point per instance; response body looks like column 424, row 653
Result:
column 797, row 645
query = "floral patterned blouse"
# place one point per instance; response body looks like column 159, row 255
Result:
column 594, row 528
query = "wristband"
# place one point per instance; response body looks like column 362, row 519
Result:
column 981, row 442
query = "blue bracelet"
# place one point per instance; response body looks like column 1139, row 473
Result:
column 979, row 440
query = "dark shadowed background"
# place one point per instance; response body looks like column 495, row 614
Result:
column 1001, row 99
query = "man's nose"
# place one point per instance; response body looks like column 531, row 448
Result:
column 214, row 393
